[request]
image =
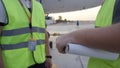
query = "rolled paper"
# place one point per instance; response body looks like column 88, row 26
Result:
column 78, row 49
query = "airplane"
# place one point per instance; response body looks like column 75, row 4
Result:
column 56, row 6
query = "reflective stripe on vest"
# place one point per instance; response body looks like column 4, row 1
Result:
column 22, row 31
column 19, row 45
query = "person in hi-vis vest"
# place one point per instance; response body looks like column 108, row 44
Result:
column 23, row 37
column 106, row 35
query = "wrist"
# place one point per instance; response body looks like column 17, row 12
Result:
column 49, row 56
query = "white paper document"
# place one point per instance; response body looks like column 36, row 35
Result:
column 85, row 51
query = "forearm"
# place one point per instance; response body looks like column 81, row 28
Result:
column 1, row 60
column 47, row 48
column 48, row 55
column 102, row 38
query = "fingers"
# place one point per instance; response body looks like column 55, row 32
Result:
column 60, row 46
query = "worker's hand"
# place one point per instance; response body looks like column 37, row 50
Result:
column 48, row 63
column 61, row 43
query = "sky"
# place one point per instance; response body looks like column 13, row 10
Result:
column 87, row 14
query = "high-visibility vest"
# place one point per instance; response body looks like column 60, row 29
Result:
column 15, row 36
column 104, row 19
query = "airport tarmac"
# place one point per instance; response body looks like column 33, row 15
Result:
column 67, row 60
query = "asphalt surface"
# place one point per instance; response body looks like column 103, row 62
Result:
column 67, row 60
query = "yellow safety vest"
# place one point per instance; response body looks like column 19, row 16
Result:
column 104, row 18
column 16, row 35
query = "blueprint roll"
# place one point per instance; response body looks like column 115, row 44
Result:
column 85, row 51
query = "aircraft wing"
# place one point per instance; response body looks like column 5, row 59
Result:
column 56, row 6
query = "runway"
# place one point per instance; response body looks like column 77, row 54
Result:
column 67, row 60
